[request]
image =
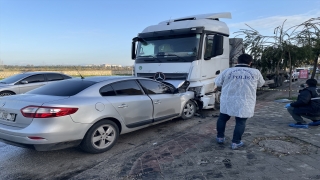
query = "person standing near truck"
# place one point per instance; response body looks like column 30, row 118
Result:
column 238, row 97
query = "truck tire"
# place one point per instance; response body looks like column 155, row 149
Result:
column 281, row 80
column 217, row 100
column 275, row 79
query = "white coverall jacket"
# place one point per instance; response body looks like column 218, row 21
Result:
column 239, row 86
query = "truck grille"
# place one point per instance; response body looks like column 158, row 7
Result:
column 173, row 76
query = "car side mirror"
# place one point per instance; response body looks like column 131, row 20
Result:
column 24, row 82
column 218, row 72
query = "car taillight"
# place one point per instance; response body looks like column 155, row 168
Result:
column 46, row 112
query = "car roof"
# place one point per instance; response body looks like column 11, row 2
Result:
column 107, row 78
column 39, row 72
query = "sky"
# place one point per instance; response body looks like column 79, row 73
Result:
column 79, row 32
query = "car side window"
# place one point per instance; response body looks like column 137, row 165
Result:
column 153, row 87
column 107, row 91
column 34, row 79
column 127, row 88
column 54, row 77
column 65, row 76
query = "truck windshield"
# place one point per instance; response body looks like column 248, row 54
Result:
column 177, row 48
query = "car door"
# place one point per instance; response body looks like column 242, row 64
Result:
column 166, row 104
column 31, row 82
column 128, row 99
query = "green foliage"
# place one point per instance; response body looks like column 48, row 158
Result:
column 291, row 47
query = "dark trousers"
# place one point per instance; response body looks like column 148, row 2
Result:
column 298, row 117
column 238, row 130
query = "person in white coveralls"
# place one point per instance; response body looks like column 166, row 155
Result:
column 238, row 97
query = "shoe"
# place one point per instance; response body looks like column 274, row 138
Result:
column 236, row 146
column 299, row 125
column 314, row 123
column 220, row 140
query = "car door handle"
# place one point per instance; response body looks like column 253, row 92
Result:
column 157, row 102
column 123, row 106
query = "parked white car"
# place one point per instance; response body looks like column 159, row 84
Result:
column 24, row 82
column 294, row 77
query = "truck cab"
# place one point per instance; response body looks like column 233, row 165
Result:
column 193, row 48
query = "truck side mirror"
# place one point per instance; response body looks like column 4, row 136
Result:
column 133, row 50
column 217, row 46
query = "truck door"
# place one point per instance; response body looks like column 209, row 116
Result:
column 211, row 65
column 166, row 104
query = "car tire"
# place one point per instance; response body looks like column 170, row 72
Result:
column 101, row 137
column 188, row 111
column 6, row 93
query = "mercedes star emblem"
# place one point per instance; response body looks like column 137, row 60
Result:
column 2, row 104
column 159, row 76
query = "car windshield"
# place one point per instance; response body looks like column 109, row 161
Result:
column 13, row 79
column 171, row 48
column 63, row 88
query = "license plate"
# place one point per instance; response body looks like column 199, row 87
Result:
column 4, row 115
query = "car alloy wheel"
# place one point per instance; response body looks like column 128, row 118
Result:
column 101, row 137
column 189, row 110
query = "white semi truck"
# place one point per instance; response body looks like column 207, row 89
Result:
column 194, row 48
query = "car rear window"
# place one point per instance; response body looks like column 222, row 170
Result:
column 65, row 76
column 54, row 77
column 63, row 88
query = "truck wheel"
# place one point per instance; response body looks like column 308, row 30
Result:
column 6, row 93
column 281, row 80
column 100, row 137
column 188, row 110
column 275, row 79
column 217, row 100
column 216, row 106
